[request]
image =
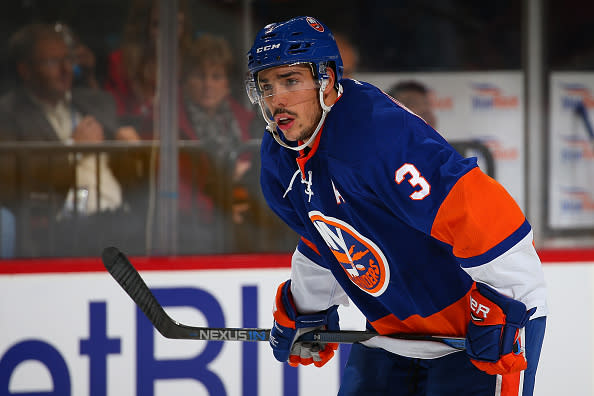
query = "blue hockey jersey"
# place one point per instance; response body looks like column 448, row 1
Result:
column 402, row 221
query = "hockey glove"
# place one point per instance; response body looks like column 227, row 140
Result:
column 289, row 326
column 495, row 337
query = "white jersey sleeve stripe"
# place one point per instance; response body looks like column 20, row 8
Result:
column 517, row 274
column 314, row 288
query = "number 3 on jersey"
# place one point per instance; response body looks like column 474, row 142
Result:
column 415, row 180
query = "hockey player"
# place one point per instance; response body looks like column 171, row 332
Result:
column 393, row 217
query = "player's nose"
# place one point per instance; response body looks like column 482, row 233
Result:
column 280, row 100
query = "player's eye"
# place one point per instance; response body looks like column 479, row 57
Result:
column 291, row 83
column 266, row 88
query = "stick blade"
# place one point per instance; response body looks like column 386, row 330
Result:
column 122, row 270
column 109, row 257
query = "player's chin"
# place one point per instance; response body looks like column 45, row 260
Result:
column 303, row 137
column 289, row 135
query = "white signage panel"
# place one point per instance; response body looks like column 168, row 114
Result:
column 571, row 166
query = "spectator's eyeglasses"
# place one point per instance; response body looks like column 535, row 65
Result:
column 52, row 63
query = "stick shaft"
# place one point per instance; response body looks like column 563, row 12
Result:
column 122, row 270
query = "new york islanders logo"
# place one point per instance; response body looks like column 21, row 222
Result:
column 359, row 257
column 315, row 24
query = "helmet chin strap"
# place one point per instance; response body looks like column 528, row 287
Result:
column 272, row 126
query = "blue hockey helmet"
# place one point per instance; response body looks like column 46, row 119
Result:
column 298, row 40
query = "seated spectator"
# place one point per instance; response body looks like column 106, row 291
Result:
column 415, row 96
column 83, row 58
column 212, row 116
column 132, row 69
column 47, row 108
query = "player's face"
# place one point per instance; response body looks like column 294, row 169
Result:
column 291, row 96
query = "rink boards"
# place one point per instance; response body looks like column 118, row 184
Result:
column 68, row 329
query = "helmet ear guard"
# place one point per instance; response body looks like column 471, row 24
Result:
column 252, row 89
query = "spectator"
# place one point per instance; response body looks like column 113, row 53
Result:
column 83, row 58
column 415, row 96
column 132, row 69
column 349, row 54
column 47, row 108
column 84, row 69
column 211, row 115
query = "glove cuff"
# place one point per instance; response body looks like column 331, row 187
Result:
column 327, row 318
column 503, row 309
column 284, row 311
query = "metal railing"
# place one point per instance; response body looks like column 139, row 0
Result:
column 36, row 178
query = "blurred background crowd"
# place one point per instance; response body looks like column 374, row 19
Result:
column 125, row 122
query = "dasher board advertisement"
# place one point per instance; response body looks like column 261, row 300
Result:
column 571, row 151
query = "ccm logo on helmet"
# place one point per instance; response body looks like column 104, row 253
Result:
column 267, row 48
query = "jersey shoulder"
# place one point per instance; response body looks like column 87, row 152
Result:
column 366, row 123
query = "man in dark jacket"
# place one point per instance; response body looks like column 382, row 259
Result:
column 46, row 108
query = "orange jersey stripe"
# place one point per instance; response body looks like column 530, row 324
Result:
column 451, row 321
column 477, row 214
column 510, row 384
column 310, row 244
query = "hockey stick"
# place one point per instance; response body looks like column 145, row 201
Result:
column 130, row 280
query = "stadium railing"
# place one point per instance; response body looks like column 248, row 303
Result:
column 35, row 178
